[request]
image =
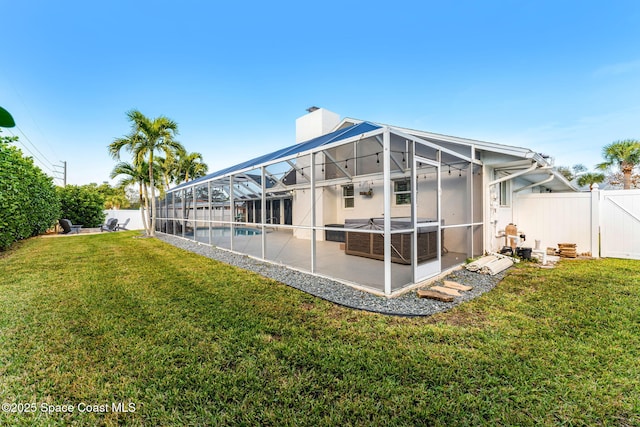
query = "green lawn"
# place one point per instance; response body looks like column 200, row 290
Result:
column 179, row 339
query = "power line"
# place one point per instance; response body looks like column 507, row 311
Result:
column 54, row 173
column 33, row 155
column 32, row 144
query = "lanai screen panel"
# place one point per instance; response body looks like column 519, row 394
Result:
column 369, row 156
column 478, row 195
column 478, row 238
column 339, row 162
column 178, row 222
column 401, row 154
column 220, row 208
column 288, row 237
column 463, row 149
column 169, row 223
column 247, row 238
column 461, row 208
column 161, row 207
column 201, row 213
column 456, row 182
column 349, row 194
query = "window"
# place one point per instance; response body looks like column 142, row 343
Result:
column 347, row 195
column 402, row 192
column 505, row 191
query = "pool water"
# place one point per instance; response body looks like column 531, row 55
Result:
column 226, row 232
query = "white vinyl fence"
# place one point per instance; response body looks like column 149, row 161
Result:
column 620, row 224
column 603, row 223
column 134, row 216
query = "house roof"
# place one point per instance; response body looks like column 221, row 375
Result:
column 350, row 127
column 337, row 135
column 558, row 183
column 482, row 145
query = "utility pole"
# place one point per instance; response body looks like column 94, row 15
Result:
column 64, row 172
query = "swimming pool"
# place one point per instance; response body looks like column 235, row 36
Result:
column 226, row 231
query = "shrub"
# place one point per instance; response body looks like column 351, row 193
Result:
column 82, row 205
column 29, row 204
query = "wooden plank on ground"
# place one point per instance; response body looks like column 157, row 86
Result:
column 456, row 285
column 422, row 293
column 447, row 291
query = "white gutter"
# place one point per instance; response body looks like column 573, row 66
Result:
column 513, row 175
column 535, row 184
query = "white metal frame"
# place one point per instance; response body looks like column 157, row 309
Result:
column 427, row 269
column 383, row 136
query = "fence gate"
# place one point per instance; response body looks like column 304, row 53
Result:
column 620, row 224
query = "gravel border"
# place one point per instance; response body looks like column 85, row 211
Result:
column 407, row 304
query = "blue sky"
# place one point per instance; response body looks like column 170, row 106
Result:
column 559, row 77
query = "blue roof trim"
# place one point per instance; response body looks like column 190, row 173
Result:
column 301, row 147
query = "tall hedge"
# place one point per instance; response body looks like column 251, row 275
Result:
column 82, row 205
column 29, row 204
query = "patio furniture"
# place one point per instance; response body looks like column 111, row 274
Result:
column 123, row 226
column 110, row 225
column 371, row 245
column 332, row 235
column 68, row 227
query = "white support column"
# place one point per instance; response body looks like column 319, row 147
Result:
column 195, row 212
column 595, row 220
column 386, row 163
column 313, row 212
column 209, row 210
column 232, row 209
column 263, row 212
column 470, row 200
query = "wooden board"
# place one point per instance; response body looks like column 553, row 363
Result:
column 444, row 290
column 511, row 230
column 434, row 295
column 567, row 250
column 455, row 285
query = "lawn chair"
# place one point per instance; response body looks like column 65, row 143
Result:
column 123, row 226
column 110, row 225
column 68, row 228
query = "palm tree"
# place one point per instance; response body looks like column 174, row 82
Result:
column 590, row 178
column 624, row 154
column 190, row 166
column 116, row 201
column 147, row 137
column 134, row 175
column 169, row 169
